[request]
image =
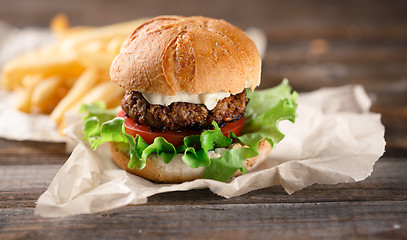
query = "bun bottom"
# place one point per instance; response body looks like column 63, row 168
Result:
column 177, row 171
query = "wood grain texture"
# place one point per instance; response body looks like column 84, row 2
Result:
column 31, row 153
column 237, row 221
column 314, row 44
column 21, row 186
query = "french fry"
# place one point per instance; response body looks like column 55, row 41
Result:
column 79, row 39
column 73, row 70
column 59, row 25
column 46, row 62
column 46, row 94
column 61, row 28
column 107, row 92
column 85, row 82
column 24, row 93
column 100, row 54
column 101, row 60
column 114, row 45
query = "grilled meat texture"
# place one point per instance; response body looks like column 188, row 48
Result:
column 180, row 116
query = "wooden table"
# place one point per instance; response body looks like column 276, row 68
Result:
column 314, row 44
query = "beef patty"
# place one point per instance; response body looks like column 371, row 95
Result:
column 181, row 115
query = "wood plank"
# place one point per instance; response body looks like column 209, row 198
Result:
column 21, row 187
column 329, row 51
column 30, row 147
column 31, row 152
column 333, row 29
column 307, row 76
column 375, row 220
column 239, row 12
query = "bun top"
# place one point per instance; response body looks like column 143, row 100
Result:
column 170, row 54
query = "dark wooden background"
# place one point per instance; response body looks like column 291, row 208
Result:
column 314, row 44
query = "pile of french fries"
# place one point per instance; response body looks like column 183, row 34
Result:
column 73, row 70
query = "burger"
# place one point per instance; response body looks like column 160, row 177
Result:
column 189, row 110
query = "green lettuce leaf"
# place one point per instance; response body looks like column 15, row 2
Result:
column 194, row 155
column 224, row 167
column 212, row 139
column 263, row 113
column 98, row 110
column 162, row 148
column 136, row 150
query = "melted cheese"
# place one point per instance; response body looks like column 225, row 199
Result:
column 208, row 99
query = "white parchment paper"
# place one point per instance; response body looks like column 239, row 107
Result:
column 335, row 139
column 16, row 125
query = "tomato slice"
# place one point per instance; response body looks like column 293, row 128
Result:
column 174, row 137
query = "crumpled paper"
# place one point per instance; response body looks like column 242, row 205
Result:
column 334, row 139
column 16, row 125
